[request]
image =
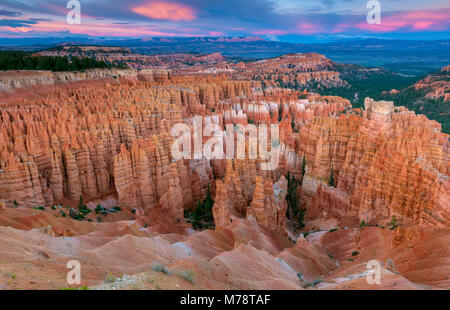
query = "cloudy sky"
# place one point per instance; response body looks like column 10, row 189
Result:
column 284, row 20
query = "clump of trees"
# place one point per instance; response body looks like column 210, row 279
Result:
column 19, row 60
column 202, row 216
column 295, row 213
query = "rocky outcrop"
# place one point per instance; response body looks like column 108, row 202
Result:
column 435, row 86
column 268, row 207
column 260, row 201
column 386, row 163
column 292, row 71
column 19, row 79
column 222, row 207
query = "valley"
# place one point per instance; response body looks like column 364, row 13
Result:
column 87, row 173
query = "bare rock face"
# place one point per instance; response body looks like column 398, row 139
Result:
column 124, row 180
column 379, row 110
column 256, row 209
column 2, row 205
column 222, row 207
column 292, row 70
column 172, row 200
column 384, row 164
column 20, row 179
column 73, row 177
column 154, row 75
column 435, row 86
column 269, row 206
column 17, row 79
column 234, row 189
column 22, row 78
column 263, row 203
column 91, row 141
column 72, row 142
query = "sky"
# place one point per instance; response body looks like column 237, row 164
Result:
column 278, row 20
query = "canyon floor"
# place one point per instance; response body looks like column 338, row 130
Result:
column 120, row 254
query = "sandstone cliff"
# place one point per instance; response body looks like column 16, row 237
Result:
column 388, row 162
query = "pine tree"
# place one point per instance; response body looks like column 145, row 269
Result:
column 303, row 167
column 331, row 180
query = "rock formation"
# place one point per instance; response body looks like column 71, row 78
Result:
column 435, row 85
column 386, row 163
column 106, row 137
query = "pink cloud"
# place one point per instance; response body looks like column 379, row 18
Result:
column 423, row 25
column 410, row 21
column 216, row 33
column 96, row 29
column 17, row 29
column 309, row 28
column 395, row 21
column 166, row 11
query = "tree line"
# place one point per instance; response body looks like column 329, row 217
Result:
column 19, row 60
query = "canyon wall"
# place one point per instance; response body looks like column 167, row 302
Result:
column 386, row 162
column 114, row 139
column 22, row 78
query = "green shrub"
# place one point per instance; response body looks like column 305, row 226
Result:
column 393, row 221
column 301, row 277
column 188, row 276
column 202, row 216
column 83, row 288
column 99, row 209
column 294, row 211
column 161, row 268
column 314, row 283
column 74, row 214
column 109, row 278
column 82, row 208
column 10, row 275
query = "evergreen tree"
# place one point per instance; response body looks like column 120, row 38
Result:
column 303, row 167
column 18, row 60
column 202, row 216
column 294, row 211
column 331, row 180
